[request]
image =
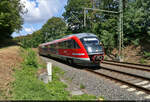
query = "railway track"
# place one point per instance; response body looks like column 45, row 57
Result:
column 136, row 82
column 128, row 65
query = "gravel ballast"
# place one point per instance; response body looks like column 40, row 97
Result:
column 128, row 70
column 95, row 85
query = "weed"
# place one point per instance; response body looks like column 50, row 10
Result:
column 82, row 86
column 142, row 61
column 30, row 58
column 101, row 98
column 105, row 57
column 83, row 97
column 147, row 55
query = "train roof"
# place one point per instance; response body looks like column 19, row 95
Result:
column 79, row 35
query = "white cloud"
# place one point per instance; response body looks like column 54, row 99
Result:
column 29, row 30
column 45, row 9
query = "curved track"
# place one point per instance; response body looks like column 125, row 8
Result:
column 121, row 80
column 128, row 65
column 124, row 78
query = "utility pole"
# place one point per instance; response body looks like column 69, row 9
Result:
column 120, row 30
column 84, row 17
column 120, row 24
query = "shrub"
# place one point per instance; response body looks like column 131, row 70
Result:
column 30, row 58
column 147, row 55
column 82, row 86
column 142, row 61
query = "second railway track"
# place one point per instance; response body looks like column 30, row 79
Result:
column 128, row 65
column 129, row 79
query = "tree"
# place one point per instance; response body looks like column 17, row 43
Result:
column 137, row 22
column 97, row 22
column 53, row 29
column 10, row 18
column 74, row 14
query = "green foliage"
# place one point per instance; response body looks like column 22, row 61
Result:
column 136, row 22
column 27, row 86
column 103, row 25
column 31, row 40
column 83, row 97
column 82, row 86
column 10, row 18
column 108, row 41
column 30, row 58
column 147, row 55
column 74, row 14
column 142, row 61
column 53, row 29
column 105, row 58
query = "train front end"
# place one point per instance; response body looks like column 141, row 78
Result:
column 94, row 49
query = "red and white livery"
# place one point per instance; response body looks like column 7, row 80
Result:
column 83, row 49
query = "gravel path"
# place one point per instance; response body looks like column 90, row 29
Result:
column 96, row 85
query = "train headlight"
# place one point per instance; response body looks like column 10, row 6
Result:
column 89, row 49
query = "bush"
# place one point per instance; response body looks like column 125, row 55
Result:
column 142, row 61
column 147, row 55
column 30, row 58
column 82, row 86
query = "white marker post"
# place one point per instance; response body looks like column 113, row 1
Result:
column 49, row 71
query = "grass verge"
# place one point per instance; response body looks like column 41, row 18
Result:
column 27, row 86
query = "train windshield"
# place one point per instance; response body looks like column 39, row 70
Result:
column 92, row 45
column 88, row 41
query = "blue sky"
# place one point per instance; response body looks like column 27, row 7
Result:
column 39, row 11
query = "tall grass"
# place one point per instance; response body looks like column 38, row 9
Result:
column 27, row 86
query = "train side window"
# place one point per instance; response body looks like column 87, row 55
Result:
column 62, row 44
column 45, row 47
column 59, row 45
column 51, row 45
column 55, row 45
column 75, row 45
column 66, row 44
column 70, row 44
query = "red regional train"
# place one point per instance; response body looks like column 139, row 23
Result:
column 82, row 49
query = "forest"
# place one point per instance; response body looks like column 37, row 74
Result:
column 136, row 23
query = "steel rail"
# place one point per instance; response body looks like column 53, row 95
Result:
column 128, row 63
column 129, row 74
column 121, row 81
column 127, row 66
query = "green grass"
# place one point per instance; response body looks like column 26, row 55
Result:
column 82, row 86
column 83, row 97
column 142, row 61
column 147, row 55
column 27, row 86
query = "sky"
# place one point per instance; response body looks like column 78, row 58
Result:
column 39, row 11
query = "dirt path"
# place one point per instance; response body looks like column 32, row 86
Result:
column 9, row 58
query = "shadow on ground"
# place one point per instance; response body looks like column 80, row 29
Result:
column 7, row 43
column 74, row 65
